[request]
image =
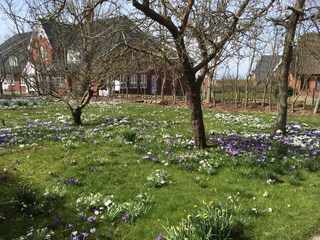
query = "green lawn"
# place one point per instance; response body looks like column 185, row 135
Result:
column 270, row 184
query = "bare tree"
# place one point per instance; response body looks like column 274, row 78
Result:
column 75, row 48
column 208, row 26
column 3, row 73
column 290, row 28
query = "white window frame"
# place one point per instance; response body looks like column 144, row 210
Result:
column 73, row 56
column 22, row 82
column 134, row 81
column 143, row 80
column 123, row 81
column 13, row 61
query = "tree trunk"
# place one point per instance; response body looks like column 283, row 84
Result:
column 281, row 120
column 264, row 95
column 246, row 97
column 194, row 102
column 162, row 87
column 270, row 94
column 209, row 90
column 305, row 98
column 313, row 95
column 76, row 115
column 316, row 108
column 1, row 89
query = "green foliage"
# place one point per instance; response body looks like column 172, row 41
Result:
column 21, row 103
column 202, row 181
column 271, row 192
column 38, row 234
column 130, row 135
column 28, row 202
column 5, row 103
column 206, row 222
column 158, row 178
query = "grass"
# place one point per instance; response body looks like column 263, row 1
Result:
column 120, row 146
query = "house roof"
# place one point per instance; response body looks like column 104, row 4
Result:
column 306, row 58
column 16, row 46
column 266, row 66
column 59, row 34
column 107, row 34
column 109, row 30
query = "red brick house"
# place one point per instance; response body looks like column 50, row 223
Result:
column 305, row 65
column 13, row 58
column 53, row 48
column 304, row 70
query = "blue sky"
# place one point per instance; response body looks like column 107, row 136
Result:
column 5, row 27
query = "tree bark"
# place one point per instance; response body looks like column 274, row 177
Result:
column 264, row 93
column 316, row 108
column 76, row 115
column 195, row 106
column 282, row 104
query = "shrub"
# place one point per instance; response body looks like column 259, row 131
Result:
column 158, row 178
column 21, row 103
column 130, row 135
column 28, row 202
column 206, row 222
column 5, row 103
column 38, row 234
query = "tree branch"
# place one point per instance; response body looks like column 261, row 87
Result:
column 145, row 8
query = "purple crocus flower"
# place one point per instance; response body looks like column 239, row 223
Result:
column 57, row 219
column 69, row 181
column 126, row 217
column 91, row 219
column 155, row 160
column 4, row 178
column 160, row 236
column 81, row 214
column 83, row 235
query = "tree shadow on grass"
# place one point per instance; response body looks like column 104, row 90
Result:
column 25, row 209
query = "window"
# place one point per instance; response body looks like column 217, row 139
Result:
column 123, row 81
column 22, row 82
column 13, row 61
column 73, row 56
column 133, row 81
column 44, row 53
column 143, row 80
column 58, row 81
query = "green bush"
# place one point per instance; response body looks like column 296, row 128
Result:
column 22, row 103
column 5, row 103
column 130, row 135
column 27, row 201
column 206, row 222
